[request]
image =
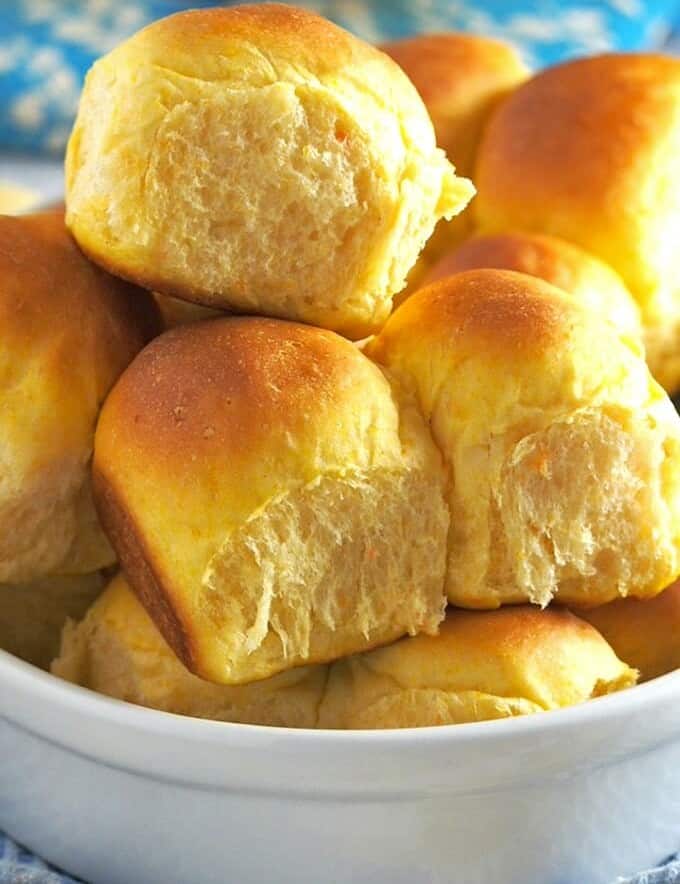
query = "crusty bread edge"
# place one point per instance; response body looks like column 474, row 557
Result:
column 139, row 567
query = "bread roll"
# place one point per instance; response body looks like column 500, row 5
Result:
column 68, row 330
column 32, row 615
column 259, row 159
column 273, row 498
column 460, row 78
column 564, row 453
column 556, row 261
column 646, row 634
column 481, row 666
column 117, row 650
column 589, row 151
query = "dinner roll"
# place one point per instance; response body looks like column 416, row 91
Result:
column 117, row 650
column 32, row 614
column 646, row 634
column 564, row 453
column 258, row 158
column 555, row 260
column 589, row 151
column 274, row 499
column 481, row 666
column 461, row 78
column 68, row 330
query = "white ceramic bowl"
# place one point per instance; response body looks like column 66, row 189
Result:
column 123, row 795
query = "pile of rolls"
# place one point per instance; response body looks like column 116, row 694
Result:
column 309, row 508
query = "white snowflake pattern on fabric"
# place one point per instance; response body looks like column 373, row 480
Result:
column 46, row 46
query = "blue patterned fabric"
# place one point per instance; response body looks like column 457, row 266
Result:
column 47, row 45
column 18, row 866
column 668, row 873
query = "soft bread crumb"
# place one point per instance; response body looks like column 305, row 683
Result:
column 284, row 167
column 325, row 567
column 573, row 496
column 117, row 650
column 564, row 453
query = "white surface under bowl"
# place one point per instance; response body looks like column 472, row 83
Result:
column 118, row 794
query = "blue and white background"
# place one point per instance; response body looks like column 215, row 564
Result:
column 46, row 46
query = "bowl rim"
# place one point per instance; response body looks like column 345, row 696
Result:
column 52, row 688
column 339, row 765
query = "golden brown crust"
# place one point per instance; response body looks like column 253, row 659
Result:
column 584, row 150
column 643, row 632
column 251, row 474
column 136, row 561
column 68, row 331
column 546, row 257
column 578, row 169
column 497, row 310
column 554, row 260
column 179, row 400
column 38, row 256
column 515, row 631
column 285, row 29
column 460, row 78
column 444, row 67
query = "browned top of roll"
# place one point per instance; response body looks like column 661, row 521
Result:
column 483, row 311
column 68, row 330
column 444, row 67
column 309, row 39
column 271, row 379
column 552, row 259
column 50, row 291
column 586, row 151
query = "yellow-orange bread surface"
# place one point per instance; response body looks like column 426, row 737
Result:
column 117, row 650
column 563, row 451
column 644, row 633
column 68, row 330
column 556, row 261
column 32, row 614
column 274, row 499
column 258, row 158
column 461, row 78
column 589, row 151
column 482, row 665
